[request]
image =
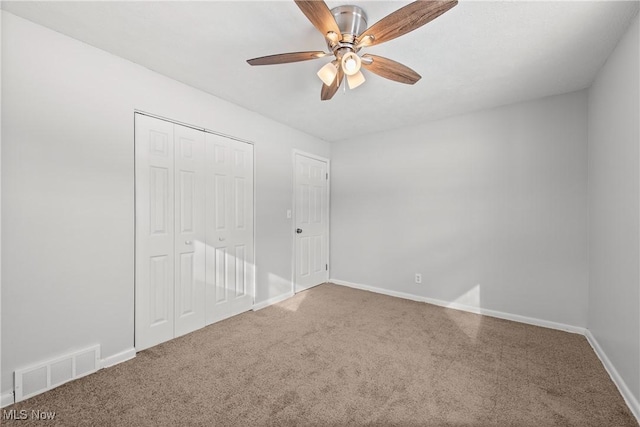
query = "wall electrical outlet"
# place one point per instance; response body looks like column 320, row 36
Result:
column 418, row 278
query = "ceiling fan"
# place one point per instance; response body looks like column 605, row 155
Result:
column 345, row 30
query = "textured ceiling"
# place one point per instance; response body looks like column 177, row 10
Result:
column 478, row 55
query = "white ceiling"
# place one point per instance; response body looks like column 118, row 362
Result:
column 478, row 55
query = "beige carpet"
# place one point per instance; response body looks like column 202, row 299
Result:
column 339, row 356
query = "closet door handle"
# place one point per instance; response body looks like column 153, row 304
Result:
column 187, row 242
column 222, row 239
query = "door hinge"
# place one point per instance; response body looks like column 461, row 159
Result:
column 326, row 267
column 327, row 175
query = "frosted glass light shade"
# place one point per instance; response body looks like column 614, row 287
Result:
column 351, row 64
column 355, row 80
column 328, row 73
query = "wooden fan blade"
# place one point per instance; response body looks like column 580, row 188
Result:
column 391, row 70
column 320, row 16
column 327, row 92
column 283, row 58
column 404, row 20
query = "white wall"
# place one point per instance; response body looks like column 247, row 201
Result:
column 490, row 207
column 67, row 189
column 614, row 206
column 1, row 208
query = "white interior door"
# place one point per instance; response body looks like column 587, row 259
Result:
column 311, row 221
column 170, row 233
column 189, row 230
column 154, row 158
column 229, row 227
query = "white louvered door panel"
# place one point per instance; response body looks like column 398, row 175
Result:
column 311, row 220
column 154, row 277
column 229, row 253
column 189, row 230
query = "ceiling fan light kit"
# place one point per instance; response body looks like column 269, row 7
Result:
column 355, row 80
column 328, row 73
column 345, row 31
column 350, row 63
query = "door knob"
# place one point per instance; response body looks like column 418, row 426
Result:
column 298, row 230
column 222, row 239
column 187, row 242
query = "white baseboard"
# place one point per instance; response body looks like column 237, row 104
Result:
column 123, row 356
column 463, row 307
column 302, row 289
column 271, row 301
column 6, row 400
column 629, row 398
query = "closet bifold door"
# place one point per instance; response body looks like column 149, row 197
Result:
column 155, row 253
column 170, row 231
column 229, row 227
column 189, row 230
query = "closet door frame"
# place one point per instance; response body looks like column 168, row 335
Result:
column 135, row 213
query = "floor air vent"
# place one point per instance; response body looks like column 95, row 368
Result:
column 44, row 376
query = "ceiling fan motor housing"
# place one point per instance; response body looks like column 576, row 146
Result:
column 351, row 20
